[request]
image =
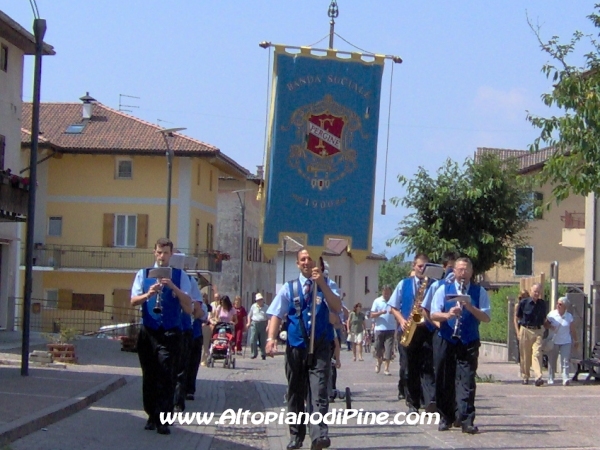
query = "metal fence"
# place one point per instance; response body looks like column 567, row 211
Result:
column 119, row 258
column 50, row 319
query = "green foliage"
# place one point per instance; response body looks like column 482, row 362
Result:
column 496, row 330
column 480, row 210
column 393, row 270
column 485, row 378
column 64, row 336
column 576, row 134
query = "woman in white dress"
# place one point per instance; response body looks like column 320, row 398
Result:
column 560, row 322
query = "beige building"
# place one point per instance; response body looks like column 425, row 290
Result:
column 103, row 195
column 556, row 234
column 15, row 44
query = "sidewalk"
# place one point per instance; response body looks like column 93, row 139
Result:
column 47, row 394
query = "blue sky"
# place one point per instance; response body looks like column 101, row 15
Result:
column 471, row 69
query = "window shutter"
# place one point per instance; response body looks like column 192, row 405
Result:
column 65, row 299
column 142, row 231
column 108, row 231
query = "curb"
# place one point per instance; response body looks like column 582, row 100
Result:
column 22, row 427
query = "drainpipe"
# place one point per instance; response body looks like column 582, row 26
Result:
column 553, row 284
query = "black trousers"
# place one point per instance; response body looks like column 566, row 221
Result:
column 402, row 373
column 158, row 352
column 193, row 365
column 182, row 365
column 455, row 368
column 418, row 356
column 308, row 384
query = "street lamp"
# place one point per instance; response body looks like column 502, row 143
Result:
column 169, row 132
column 39, row 30
column 243, row 206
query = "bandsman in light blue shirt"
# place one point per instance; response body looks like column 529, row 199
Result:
column 457, row 347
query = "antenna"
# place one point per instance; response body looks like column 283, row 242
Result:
column 122, row 106
column 158, row 121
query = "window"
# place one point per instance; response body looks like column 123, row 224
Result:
column 524, row 261
column 2, row 149
column 367, row 285
column 338, row 280
column 51, row 298
column 75, row 128
column 124, row 169
column 125, row 230
column 55, row 226
column 209, row 236
column 534, row 206
column 248, row 249
column 4, row 58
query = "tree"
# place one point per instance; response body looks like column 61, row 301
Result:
column 393, row 270
column 480, row 210
column 574, row 167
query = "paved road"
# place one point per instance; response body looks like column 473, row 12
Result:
column 510, row 416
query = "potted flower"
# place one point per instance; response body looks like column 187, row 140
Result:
column 60, row 347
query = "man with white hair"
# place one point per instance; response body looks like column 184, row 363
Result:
column 257, row 324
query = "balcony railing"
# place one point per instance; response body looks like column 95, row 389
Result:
column 574, row 220
column 14, row 197
column 112, row 258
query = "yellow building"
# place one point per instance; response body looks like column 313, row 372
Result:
column 556, row 234
column 102, row 201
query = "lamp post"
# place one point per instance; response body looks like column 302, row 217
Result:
column 169, row 132
column 39, row 30
column 243, row 207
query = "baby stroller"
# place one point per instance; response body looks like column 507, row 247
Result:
column 222, row 345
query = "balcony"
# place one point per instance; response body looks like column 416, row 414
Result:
column 573, row 232
column 14, row 197
column 81, row 257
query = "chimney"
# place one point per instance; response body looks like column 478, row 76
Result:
column 87, row 106
column 260, row 173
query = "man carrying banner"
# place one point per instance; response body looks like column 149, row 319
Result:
column 306, row 383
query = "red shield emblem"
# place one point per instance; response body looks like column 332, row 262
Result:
column 325, row 134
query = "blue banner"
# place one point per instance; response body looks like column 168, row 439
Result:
column 322, row 152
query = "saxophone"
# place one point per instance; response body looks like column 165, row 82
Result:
column 416, row 317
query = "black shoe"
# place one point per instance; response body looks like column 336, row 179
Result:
column 443, row 426
column 320, row 443
column 177, row 409
column 253, row 357
column 470, row 429
column 264, row 357
column 457, row 423
column 189, row 397
column 162, row 429
column 412, row 409
column 150, row 425
column 401, row 396
column 295, row 442
column 539, row 382
column 431, row 408
column 331, row 399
